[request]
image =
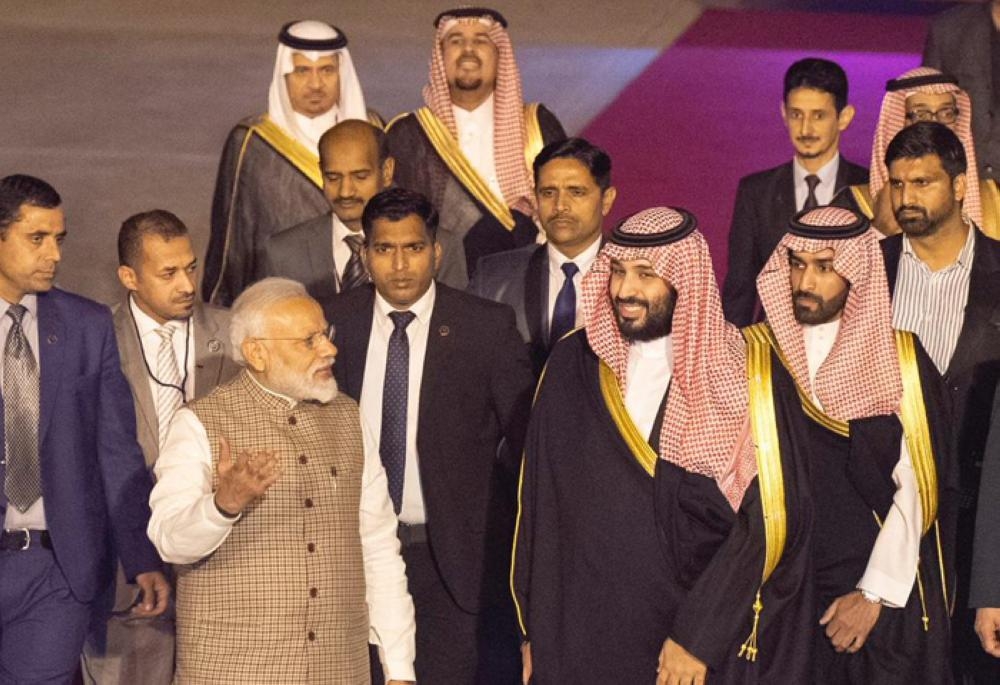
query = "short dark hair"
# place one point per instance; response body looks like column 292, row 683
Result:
column 929, row 138
column 354, row 127
column 18, row 190
column 594, row 158
column 395, row 204
column 157, row 222
column 818, row 74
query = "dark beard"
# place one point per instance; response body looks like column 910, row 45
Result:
column 826, row 311
column 658, row 323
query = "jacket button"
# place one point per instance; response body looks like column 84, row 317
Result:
column 313, row 592
column 292, row 421
column 333, row 471
column 303, row 459
column 311, row 547
column 308, row 503
column 311, row 635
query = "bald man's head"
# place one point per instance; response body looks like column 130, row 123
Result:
column 355, row 162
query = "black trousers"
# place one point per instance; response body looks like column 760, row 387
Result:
column 455, row 647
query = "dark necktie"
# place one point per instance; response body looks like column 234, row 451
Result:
column 812, row 180
column 564, row 313
column 23, row 484
column 354, row 271
column 395, row 391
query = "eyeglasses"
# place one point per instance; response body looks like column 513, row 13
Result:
column 945, row 115
column 311, row 342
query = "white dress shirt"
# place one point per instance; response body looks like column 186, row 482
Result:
column 183, row 346
column 892, row 565
column 475, row 140
column 583, row 261
column 341, row 251
column 412, row 509
column 34, row 516
column 186, row 526
column 650, row 368
column 827, row 182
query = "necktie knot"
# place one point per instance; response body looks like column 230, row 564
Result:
column 166, row 331
column 570, row 269
column 17, row 312
column 812, row 180
column 401, row 319
column 355, row 241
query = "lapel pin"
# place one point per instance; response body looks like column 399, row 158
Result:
column 52, row 339
column 443, row 331
column 214, row 345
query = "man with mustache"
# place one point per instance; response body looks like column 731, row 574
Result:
column 542, row 282
column 271, row 501
column 925, row 94
column 444, row 379
column 269, row 177
column 838, row 569
column 816, row 112
column 945, row 278
column 629, row 481
column 471, row 148
column 173, row 349
column 325, row 252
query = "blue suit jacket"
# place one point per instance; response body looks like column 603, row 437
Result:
column 94, row 479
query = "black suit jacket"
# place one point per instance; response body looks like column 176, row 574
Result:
column 304, row 253
column 972, row 374
column 520, row 278
column 475, row 392
column 765, row 201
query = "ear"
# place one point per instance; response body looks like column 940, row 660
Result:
column 437, row 256
column 388, row 169
column 128, row 277
column 608, row 199
column 255, row 354
column 845, row 117
column 959, row 185
column 784, row 113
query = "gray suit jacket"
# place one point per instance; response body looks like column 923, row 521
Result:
column 213, row 365
column 958, row 44
column 304, row 253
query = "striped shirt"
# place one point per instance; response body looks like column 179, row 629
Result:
column 931, row 304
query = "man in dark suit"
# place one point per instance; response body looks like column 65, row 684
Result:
column 442, row 378
column 945, row 278
column 75, row 487
column 324, row 253
column 816, row 112
column 962, row 42
column 158, row 269
column 542, row 282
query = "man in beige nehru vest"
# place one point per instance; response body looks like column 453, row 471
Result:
column 272, row 501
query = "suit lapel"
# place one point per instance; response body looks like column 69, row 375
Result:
column 319, row 244
column 784, row 203
column 209, row 352
column 51, row 352
column 355, row 341
column 841, row 181
column 441, row 338
column 130, row 349
column 984, row 293
column 536, row 297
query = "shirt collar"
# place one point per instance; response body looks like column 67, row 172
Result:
column 583, row 260
column 827, row 173
column 292, row 402
column 965, row 255
column 146, row 324
column 660, row 348
column 481, row 114
column 29, row 302
column 340, row 230
column 422, row 308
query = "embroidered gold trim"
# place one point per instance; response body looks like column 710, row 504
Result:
column 914, row 418
column 863, row 200
column 534, row 142
column 635, row 440
column 295, row 152
column 447, row 148
column 989, row 195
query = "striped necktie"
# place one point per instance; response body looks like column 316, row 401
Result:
column 354, row 271
column 23, row 482
column 168, row 395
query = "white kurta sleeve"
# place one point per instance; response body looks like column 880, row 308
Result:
column 892, row 565
column 390, row 607
column 185, row 524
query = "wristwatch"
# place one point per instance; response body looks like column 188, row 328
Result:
column 870, row 597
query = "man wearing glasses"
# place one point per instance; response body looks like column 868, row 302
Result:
column 272, row 502
column 926, row 94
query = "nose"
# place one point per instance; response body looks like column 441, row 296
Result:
column 398, row 260
column 562, row 201
column 187, row 282
column 313, row 78
column 808, row 282
column 53, row 251
column 346, row 187
column 327, row 348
